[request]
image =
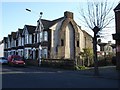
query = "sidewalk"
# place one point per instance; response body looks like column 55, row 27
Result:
column 108, row 72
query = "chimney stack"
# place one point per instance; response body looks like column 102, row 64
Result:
column 68, row 14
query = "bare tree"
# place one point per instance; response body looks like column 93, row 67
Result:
column 97, row 17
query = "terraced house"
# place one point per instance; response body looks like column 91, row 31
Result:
column 56, row 39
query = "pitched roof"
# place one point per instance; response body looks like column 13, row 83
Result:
column 20, row 31
column 9, row 37
column 56, row 20
column 13, row 34
column 48, row 23
column 5, row 39
column 117, row 7
column 30, row 28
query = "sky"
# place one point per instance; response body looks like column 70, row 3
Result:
column 13, row 14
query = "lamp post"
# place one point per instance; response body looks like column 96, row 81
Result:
column 37, row 32
column 39, row 47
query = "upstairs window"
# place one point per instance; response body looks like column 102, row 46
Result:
column 22, row 41
column 30, row 39
column 41, row 36
column 62, row 42
column 19, row 41
column 26, row 38
column 77, row 43
column 45, row 36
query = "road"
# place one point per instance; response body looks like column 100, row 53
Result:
column 37, row 77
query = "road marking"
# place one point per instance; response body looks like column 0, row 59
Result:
column 23, row 72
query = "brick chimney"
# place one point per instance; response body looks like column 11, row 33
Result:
column 68, row 14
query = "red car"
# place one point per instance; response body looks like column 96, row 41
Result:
column 15, row 60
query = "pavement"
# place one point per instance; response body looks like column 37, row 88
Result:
column 108, row 72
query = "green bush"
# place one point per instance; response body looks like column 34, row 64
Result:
column 81, row 67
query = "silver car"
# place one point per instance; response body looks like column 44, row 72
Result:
column 3, row 60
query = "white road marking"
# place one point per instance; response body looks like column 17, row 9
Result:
column 23, row 72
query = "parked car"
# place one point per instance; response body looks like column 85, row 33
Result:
column 3, row 60
column 15, row 60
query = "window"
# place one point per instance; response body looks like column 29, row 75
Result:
column 77, row 43
column 8, row 43
column 28, row 53
column 41, row 36
column 45, row 36
column 22, row 41
column 62, row 42
column 15, row 43
column 25, row 54
column 45, row 52
column 12, row 43
column 33, row 54
column 37, row 37
column 34, row 37
column 30, row 39
column 26, row 39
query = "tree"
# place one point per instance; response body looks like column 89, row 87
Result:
column 97, row 18
column 87, row 56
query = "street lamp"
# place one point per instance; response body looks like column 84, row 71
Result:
column 37, row 32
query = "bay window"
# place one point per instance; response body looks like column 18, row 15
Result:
column 22, row 41
column 19, row 41
column 28, row 53
column 26, row 38
column 45, row 36
column 30, row 39
column 44, row 52
column 41, row 36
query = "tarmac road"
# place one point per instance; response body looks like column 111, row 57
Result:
column 37, row 77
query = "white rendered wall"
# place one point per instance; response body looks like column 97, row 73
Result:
column 1, row 50
column 69, row 43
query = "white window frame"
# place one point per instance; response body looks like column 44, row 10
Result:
column 44, row 52
column 27, row 52
column 22, row 43
column 26, row 39
column 30, row 39
column 19, row 41
column 41, row 36
column 45, row 36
